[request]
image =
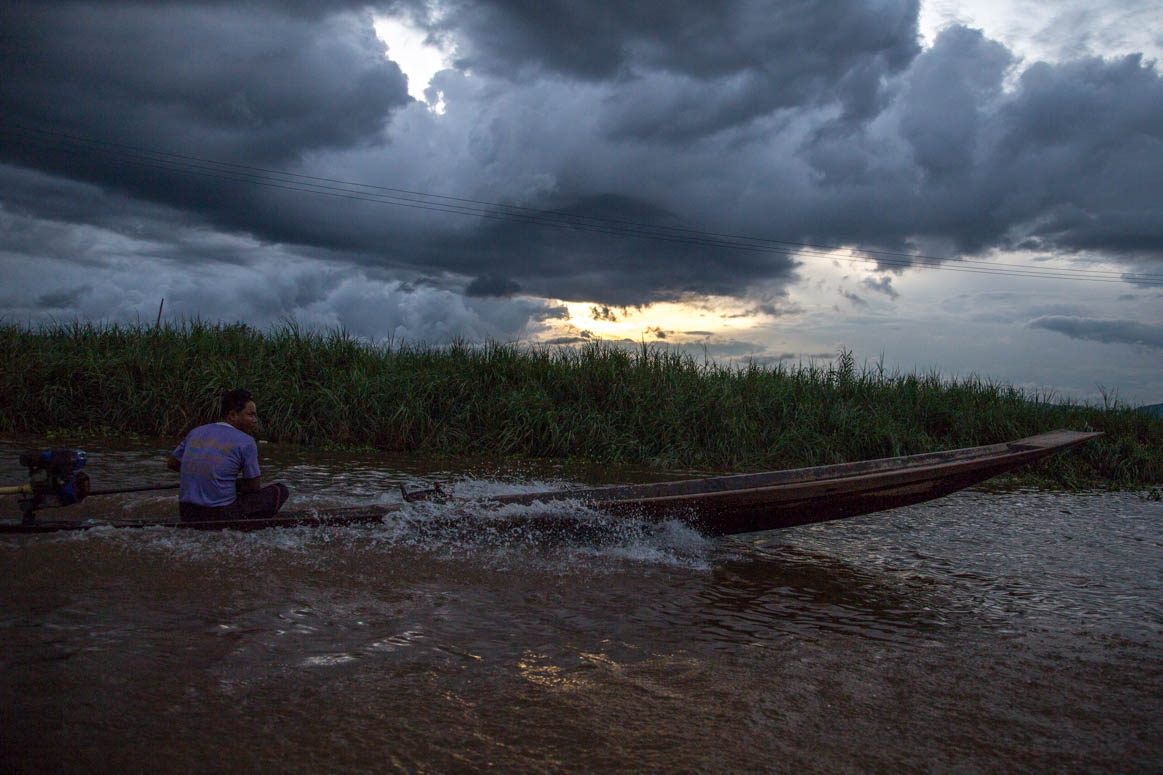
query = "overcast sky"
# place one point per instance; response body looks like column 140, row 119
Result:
column 970, row 187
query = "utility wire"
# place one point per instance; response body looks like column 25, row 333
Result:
column 911, row 258
column 165, row 161
column 159, row 160
column 239, row 173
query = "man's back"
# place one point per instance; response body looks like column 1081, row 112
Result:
column 212, row 456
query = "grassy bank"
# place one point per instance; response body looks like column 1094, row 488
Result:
column 600, row 402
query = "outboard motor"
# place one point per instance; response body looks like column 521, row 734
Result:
column 55, row 478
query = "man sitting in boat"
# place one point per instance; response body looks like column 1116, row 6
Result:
column 211, row 459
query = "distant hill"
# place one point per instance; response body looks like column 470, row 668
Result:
column 1155, row 409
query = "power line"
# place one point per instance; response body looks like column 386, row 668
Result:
column 798, row 246
column 166, row 161
column 269, row 178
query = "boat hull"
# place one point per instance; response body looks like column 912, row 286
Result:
column 741, row 503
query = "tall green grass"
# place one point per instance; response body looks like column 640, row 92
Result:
column 599, row 402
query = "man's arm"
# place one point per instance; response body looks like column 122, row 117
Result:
column 249, row 466
column 174, row 464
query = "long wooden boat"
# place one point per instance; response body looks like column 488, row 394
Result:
column 719, row 505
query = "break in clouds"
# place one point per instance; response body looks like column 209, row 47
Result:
column 804, row 122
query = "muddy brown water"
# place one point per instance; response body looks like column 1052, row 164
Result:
column 985, row 632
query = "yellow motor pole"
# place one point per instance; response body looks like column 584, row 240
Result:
column 23, row 489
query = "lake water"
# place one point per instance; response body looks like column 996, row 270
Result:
column 985, row 632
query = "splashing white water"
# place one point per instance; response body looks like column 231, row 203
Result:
column 562, row 535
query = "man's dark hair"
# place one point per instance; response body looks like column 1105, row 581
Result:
column 235, row 401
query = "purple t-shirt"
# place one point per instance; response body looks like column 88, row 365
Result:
column 212, row 456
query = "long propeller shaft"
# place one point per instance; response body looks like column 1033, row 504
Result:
column 133, row 489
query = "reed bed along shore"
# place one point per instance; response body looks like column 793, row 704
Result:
column 600, row 402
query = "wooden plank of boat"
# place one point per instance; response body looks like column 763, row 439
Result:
column 746, row 503
column 722, row 505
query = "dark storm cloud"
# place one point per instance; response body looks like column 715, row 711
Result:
column 941, row 116
column 492, row 285
column 1071, row 159
column 723, row 62
column 603, row 252
column 243, row 83
column 770, row 309
column 883, row 285
column 62, row 299
column 55, row 201
column 555, row 312
column 1100, row 330
column 857, row 301
column 581, row 337
column 604, row 313
column 1084, row 149
column 795, row 121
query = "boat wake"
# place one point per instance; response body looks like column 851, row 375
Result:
column 560, row 535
